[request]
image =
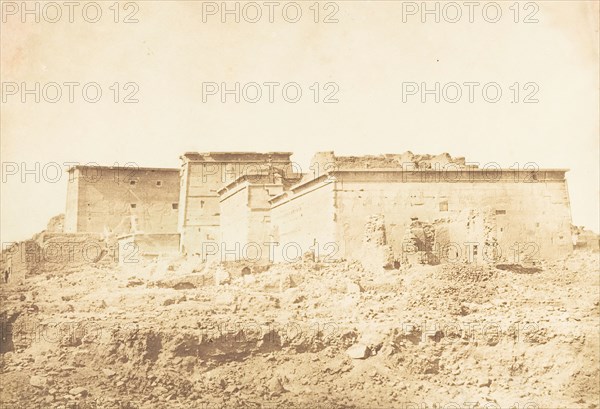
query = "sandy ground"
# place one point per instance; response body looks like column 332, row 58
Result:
column 177, row 333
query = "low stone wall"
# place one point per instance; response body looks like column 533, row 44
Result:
column 132, row 248
column 54, row 252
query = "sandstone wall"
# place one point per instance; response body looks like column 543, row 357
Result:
column 474, row 217
column 306, row 223
column 203, row 174
column 122, row 200
column 517, row 220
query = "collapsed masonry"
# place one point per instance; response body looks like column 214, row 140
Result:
column 55, row 250
column 384, row 210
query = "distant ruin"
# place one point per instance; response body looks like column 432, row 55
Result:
column 385, row 210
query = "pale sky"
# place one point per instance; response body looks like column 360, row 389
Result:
column 369, row 53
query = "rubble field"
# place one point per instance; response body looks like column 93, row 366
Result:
column 180, row 333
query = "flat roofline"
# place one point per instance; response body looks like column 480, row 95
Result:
column 232, row 153
column 237, row 153
column 461, row 169
column 217, row 157
column 326, row 175
column 129, row 168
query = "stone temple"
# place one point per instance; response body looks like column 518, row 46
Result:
column 386, row 209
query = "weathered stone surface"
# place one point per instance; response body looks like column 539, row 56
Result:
column 78, row 391
column 38, row 381
column 358, row 351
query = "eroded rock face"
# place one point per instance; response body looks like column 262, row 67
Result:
column 375, row 230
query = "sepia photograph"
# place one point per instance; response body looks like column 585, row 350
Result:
column 308, row 204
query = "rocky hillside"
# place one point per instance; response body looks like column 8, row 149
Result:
column 178, row 333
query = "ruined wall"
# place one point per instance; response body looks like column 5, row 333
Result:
column 19, row 259
column 305, row 220
column 133, row 248
column 585, row 239
column 122, row 200
column 325, row 162
column 478, row 216
column 517, row 219
column 56, row 252
column 203, row 174
column 63, row 251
